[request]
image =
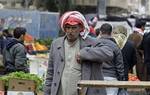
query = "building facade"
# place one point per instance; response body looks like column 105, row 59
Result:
column 141, row 7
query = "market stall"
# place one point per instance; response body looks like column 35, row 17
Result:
column 17, row 83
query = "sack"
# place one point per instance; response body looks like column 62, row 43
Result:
column 122, row 91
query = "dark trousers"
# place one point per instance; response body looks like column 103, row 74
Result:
column 148, row 78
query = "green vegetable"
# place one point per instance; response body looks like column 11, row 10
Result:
column 47, row 41
column 22, row 75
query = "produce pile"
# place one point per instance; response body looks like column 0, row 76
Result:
column 132, row 77
column 38, row 46
column 47, row 42
column 22, row 75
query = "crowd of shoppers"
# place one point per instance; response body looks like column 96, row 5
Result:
column 77, row 56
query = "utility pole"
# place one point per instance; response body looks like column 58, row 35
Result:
column 101, row 8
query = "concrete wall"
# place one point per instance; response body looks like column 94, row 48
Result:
column 118, row 3
column 86, row 2
column 148, row 8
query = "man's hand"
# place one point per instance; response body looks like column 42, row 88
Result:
column 78, row 57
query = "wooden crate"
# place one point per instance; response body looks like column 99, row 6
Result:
column 2, row 85
column 21, row 85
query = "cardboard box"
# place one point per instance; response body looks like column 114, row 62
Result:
column 19, row 93
column 21, row 85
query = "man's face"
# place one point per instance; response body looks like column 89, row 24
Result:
column 72, row 32
column 22, row 37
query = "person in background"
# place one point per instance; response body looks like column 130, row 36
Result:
column 64, row 70
column 14, row 53
column 145, row 46
column 92, row 23
column 5, row 35
column 139, row 26
column 120, row 34
column 113, row 70
column 2, row 70
column 136, row 37
column 97, row 31
column 129, row 57
column 1, row 42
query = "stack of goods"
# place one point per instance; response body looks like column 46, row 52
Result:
column 28, row 38
column 24, row 76
column 33, row 46
column 132, row 77
column 2, row 87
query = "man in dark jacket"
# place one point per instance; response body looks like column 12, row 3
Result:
column 113, row 70
column 14, row 52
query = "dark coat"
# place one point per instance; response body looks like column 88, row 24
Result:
column 90, row 70
column 115, row 67
column 146, row 47
column 1, row 45
column 129, row 57
column 140, row 66
column 14, row 54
